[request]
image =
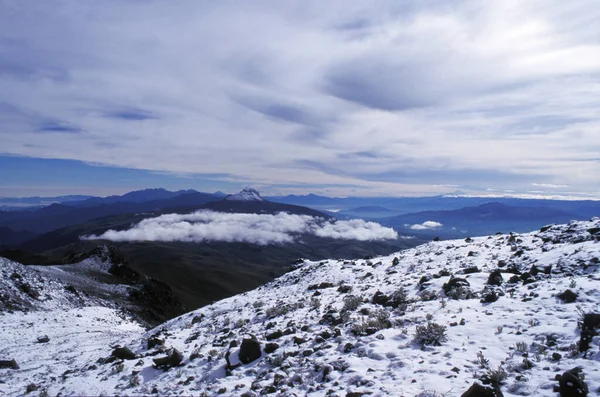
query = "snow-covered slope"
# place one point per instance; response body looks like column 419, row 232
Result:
column 51, row 317
column 247, row 194
column 429, row 321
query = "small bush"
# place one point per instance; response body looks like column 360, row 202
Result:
column 431, row 334
column 495, row 377
column 428, row 295
column 352, row 302
column 376, row 321
column 276, row 311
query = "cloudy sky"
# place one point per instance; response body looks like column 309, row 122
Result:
column 339, row 97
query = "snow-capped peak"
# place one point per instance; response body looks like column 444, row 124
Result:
column 247, row 194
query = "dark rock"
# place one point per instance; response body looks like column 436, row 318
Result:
column 380, row 298
column 545, row 228
column 436, row 238
column 534, row 271
column 31, row 387
column 489, row 297
column 123, row 353
column 594, row 230
column 271, row 347
column 320, row 286
column 299, row 341
column 424, row 279
column 556, row 356
column 395, row 261
column 571, row 384
column 249, row 350
column 478, row 390
column 154, row 341
column 197, row 319
column 568, row 296
column 348, row 347
column 591, row 322
column 71, row 289
column 274, row 335
column 344, row 289
column 514, row 279
column 495, row 278
column 10, row 364
column 43, row 339
column 471, row 270
column 172, row 360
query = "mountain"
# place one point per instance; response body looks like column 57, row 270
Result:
column 20, row 202
column 584, row 209
column 369, row 211
column 138, row 196
column 9, row 237
column 247, row 194
column 506, row 314
column 57, row 216
column 484, row 219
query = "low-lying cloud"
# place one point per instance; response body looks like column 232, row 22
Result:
column 426, row 225
column 259, row 229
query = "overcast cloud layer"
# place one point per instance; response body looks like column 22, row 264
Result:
column 260, row 229
column 397, row 97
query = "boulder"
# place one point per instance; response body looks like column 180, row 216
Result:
column 495, row 278
column 123, row 353
column 10, row 364
column 172, row 360
column 43, row 339
column 568, row 296
column 249, row 350
column 571, row 384
column 478, row 390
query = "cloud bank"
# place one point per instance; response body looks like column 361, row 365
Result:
column 395, row 99
column 426, row 225
column 262, row 229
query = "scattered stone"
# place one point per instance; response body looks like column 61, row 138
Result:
column 274, row 335
column 271, row 347
column 154, row 341
column 172, row 360
column 9, row 364
column 31, row 387
column 568, row 296
column 249, row 350
column 43, row 339
column 591, row 322
column 123, row 353
column 320, row 286
column 495, row 278
column 478, row 390
column 571, row 384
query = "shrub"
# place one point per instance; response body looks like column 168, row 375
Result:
column 376, row 321
column 427, row 295
column 431, row 334
column 495, row 377
column 352, row 302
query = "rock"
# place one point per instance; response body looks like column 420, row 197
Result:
column 197, row 319
column 495, row 278
column 10, row 364
column 320, row 286
column 172, row 360
column 43, row 339
column 591, row 322
column 154, row 341
column 271, row 347
column 571, row 384
column 31, row 387
column 489, row 297
column 274, row 335
column 123, row 353
column 249, row 350
column 478, row 390
column 380, row 299
column 344, row 289
column 568, row 296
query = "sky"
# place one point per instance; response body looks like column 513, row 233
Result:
column 343, row 98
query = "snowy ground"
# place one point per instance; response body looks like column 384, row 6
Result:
column 336, row 339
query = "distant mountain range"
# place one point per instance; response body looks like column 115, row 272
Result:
column 484, row 219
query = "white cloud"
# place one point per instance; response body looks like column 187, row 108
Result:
column 426, row 94
column 260, row 229
column 426, row 225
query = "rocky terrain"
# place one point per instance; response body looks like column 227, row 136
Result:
column 509, row 314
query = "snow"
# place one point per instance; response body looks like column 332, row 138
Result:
column 522, row 329
column 247, row 194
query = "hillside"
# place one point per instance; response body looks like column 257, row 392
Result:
column 506, row 310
